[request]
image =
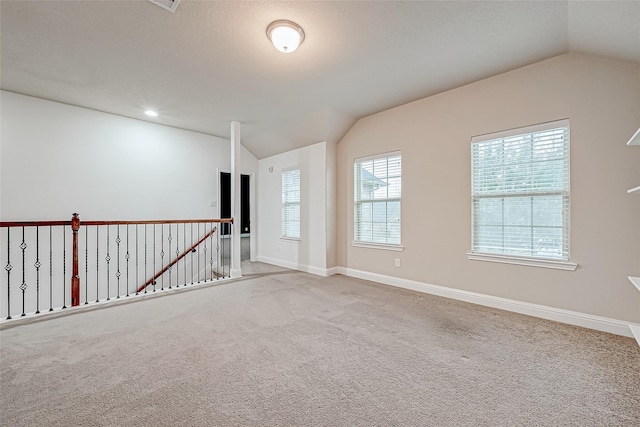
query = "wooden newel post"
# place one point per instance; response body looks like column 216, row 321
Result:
column 75, row 278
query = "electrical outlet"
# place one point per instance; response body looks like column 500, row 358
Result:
column 397, row 262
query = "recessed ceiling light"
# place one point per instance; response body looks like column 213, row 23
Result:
column 151, row 113
column 285, row 35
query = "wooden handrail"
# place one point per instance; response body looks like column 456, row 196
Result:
column 33, row 223
column 139, row 222
column 182, row 255
column 160, row 221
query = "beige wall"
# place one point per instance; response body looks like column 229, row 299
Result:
column 601, row 98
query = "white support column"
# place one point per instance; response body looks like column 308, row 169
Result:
column 236, row 270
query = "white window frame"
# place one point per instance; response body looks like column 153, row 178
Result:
column 287, row 225
column 512, row 258
column 358, row 200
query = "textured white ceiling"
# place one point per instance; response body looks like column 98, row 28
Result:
column 210, row 62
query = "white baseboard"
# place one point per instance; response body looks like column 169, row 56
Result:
column 207, row 270
column 635, row 330
column 324, row 272
column 598, row 323
column 333, row 270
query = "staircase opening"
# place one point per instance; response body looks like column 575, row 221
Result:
column 245, row 211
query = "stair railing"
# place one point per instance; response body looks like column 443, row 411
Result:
column 107, row 260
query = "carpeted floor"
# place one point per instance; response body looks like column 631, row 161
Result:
column 290, row 348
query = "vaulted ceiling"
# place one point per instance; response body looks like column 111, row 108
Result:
column 210, row 62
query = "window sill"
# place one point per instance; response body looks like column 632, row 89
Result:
column 383, row 246
column 530, row 262
column 291, row 239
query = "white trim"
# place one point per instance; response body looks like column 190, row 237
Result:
column 204, row 270
column 605, row 324
column 637, row 141
column 530, row 262
column 377, row 156
column 300, row 267
column 291, row 239
column 383, row 246
column 635, row 281
column 522, row 130
column 635, row 330
column 333, row 271
column 634, row 190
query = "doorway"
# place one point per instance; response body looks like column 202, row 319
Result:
column 245, row 211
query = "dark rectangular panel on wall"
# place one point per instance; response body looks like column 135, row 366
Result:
column 245, row 216
column 225, row 200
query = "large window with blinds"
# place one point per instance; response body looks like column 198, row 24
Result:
column 377, row 196
column 520, row 192
column 291, row 203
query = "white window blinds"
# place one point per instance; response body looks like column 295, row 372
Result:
column 520, row 192
column 377, row 194
column 291, row 203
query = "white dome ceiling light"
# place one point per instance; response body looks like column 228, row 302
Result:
column 285, row 35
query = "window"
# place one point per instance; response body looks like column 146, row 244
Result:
column 291, row 203
column 377, row 193
column 520, row 193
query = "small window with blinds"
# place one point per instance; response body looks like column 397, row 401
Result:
column 377, row 196
column 291, row 203
column 520, row 192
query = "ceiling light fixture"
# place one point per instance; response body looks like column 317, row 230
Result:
column 151, row 113
column 285, row 35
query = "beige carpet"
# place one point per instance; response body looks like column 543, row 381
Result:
column 294, row 349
